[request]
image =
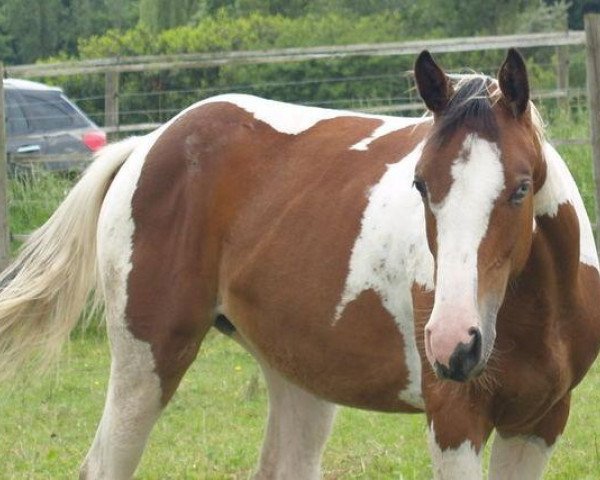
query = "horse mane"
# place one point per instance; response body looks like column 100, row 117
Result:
column 471, row 106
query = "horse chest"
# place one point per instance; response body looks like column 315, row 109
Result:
column 529, row 381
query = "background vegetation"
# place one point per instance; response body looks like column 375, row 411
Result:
column 50, row 30
column 36, row 29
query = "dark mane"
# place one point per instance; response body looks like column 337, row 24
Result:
column 469, row 107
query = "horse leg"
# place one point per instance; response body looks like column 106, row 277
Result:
column 157, row 313
column 526, row 456
column 456, row 436
column 298, row 428
column 132, row 406
column 143, row 378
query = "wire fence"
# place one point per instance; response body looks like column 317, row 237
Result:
column 127, row 96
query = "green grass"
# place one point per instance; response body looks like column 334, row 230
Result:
column 213, row 427
column 32, row 200
column 578, row 157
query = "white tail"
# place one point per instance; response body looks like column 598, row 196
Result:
column 43, row 292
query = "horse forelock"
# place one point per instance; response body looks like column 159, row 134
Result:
column 472, row 107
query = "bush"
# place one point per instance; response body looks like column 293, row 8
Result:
column 340, row 83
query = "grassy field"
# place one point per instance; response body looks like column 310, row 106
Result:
column 213, row 427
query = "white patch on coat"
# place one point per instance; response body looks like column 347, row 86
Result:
column 389, row 125
column 390, row 255
column 519, row 458
column 294, row 119
column 462, row 463
column 134, row 394
column 462, row 221
column 560, row 188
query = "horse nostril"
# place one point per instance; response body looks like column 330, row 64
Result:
column 428, row 341
column 464, row 359
column 476, row 341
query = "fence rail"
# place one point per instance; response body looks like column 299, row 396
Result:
column 36, row 159
column 112, row 68
column 389, row 108
column 202, row 60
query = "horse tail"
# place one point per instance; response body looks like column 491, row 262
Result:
column 44, row 291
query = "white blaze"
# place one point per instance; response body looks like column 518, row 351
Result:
column 462, row 221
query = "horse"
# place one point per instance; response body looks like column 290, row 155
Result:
column 442, row 265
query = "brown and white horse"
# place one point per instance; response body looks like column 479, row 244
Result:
column 443, row 265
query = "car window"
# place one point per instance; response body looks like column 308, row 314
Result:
column 47, row 112
column 16, row 123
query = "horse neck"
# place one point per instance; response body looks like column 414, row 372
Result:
column 549, row 283
column 563, row 237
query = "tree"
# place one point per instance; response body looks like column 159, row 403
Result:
column 158, row 15
column 33, row 27
column 41, row 28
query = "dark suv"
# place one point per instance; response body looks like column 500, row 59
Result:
column 44, row 126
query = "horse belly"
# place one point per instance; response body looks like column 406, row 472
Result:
column 359, row 360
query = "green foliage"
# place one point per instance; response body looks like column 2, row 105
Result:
column 224, row 32
column 34, row 29
column 575, row 12
column 158, row 15
column 33, row 199
column 544, row 18
column 165, row 93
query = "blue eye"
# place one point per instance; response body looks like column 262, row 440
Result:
column 420, row 186
column 520, row 193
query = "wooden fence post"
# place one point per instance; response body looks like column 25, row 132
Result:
column 562, row 74
column 562, row 68
column 4, row 233
column 111, row 99
column 592, row 33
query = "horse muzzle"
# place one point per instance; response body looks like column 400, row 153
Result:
column 455, row 355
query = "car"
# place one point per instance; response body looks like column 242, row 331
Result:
column 43, row 126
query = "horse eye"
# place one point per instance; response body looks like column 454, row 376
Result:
column 520, row 193
column 420, row 186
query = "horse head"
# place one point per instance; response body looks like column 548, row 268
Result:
column 477, row 175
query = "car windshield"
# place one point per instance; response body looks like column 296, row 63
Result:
column 16, row 123
column 48, row 111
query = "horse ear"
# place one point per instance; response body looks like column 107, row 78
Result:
column 514, row 84
column 433, row 84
